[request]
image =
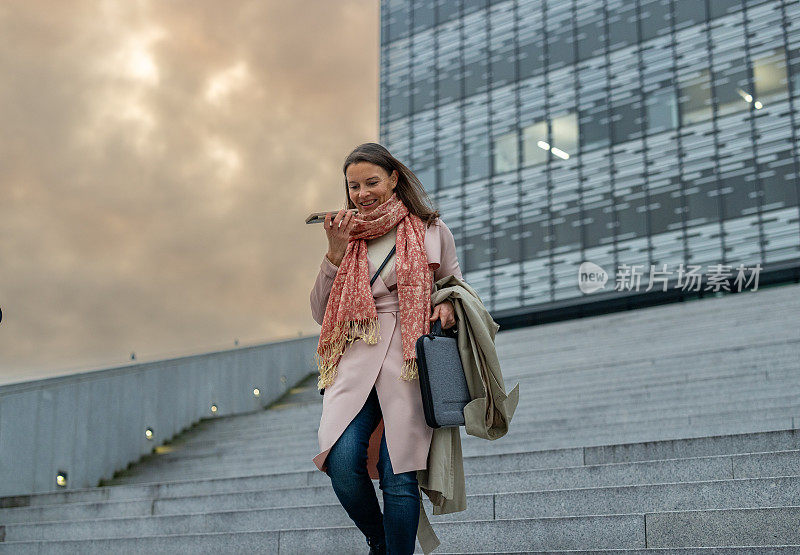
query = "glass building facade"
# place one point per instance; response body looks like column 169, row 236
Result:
column 621, row 132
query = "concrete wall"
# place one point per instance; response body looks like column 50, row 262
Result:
column 92, row 424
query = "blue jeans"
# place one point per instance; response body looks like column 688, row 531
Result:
column 347, row 468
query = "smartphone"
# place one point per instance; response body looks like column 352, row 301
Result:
column 319, row 217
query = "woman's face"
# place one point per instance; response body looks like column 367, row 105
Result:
column 369, row 185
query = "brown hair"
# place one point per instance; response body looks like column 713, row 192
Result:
column 409, row 189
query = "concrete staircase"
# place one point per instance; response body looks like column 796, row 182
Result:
column 671, row 429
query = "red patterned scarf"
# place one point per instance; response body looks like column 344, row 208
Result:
column 351, row 313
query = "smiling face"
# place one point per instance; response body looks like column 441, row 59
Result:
column 369, row 185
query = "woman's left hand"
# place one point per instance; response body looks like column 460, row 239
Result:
column 446, row 312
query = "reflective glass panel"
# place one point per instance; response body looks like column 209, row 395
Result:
column 534, row 143
column 505, row 152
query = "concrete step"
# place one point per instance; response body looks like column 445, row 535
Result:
column 568, row 383
column 771, row 441
column 577, row 436
column 705, row 312
column 303, row 464
column 750, row 396
column 648, row 417
column 539, row 401
column 480, row 478
column 257, row 454
column 271, row 429
column 512, row 443
column 726, row 386
column 750, row 356
column 637, row 326
column 527, row 503
column 736, row 550
column 648, row 375
column 542, row 355
column 258, row 421
column 300, row 413
column 536, row 429
column 222, row 427
column 758, row 526
column 635, row 340
column 716, row 494
column 560, row 381
column 632, row 409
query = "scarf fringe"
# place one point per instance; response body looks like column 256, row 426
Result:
column 343, row 333
column 409, row 371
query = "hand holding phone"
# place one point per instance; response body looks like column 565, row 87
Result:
column 338, row 230
column 319, row 217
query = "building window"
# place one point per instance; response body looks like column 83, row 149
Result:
column 475, row 78
column 398, row 19
column 398, row 103
column 665, row 211
column 732, row 87
column 531, row 60
column 449, row 85
column 594, row 128
column 591, row 39
column 689, row 12
column 723, row 7
column 702, row 205
column 505, row 152
column 449, row 169
column 533, row 239
column 622, row 27
column 598, row 223
column 632, row 215
column 427, row 176
column 695, row 98
column 470, row 6
column 562, row 49
column 625, row 122
column 506, row 246
column 565, row 136
column 654, row 18
column 477, row 157
column 566, row 226
column 424, row 15
column 777, row 182
column 423, row 98
column 794, row 69
column 662, row 111
column 477, row 251
column 535, row 143
column 445, row 11
column 502, row 66
column 738, row 191
column 769, row 75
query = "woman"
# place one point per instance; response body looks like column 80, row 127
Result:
column 373, row 425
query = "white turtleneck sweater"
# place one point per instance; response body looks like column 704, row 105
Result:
column 378, row 248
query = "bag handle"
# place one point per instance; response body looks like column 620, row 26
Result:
column 436, row 329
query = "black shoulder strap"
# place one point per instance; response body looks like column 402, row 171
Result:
column 385, row 260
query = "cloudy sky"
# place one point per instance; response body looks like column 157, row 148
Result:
column 157, row 160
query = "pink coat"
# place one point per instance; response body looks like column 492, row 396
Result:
column 408, row 437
